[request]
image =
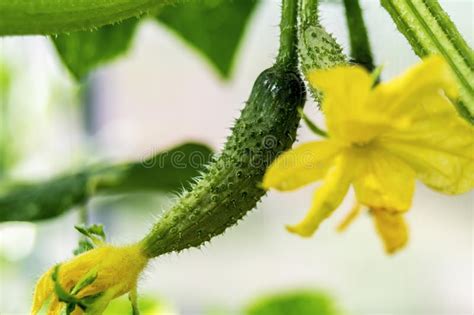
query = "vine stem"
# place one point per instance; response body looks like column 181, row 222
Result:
column 309, row 12
column 429, row 30
column 287, row 54
column 48, row 17
column 83, row 215
column 359, row 39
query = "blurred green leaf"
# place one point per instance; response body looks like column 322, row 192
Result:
column 7, row 147
column 83, row 51
column 213, row 27
column 304, row 302
column 167, row 171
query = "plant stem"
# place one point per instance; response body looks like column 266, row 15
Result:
column 360, row 46
column 287, row 54
column 429, row 30
column 46, row 17
column 309, row 12
column 83, row 215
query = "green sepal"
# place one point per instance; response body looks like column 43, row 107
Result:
column 83, row 246
column 88, row 279
column 70, row 298
column 62, row 294
column 94, row 235
column 94, row 232
column 311, row 125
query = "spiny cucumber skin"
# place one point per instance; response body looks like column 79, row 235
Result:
column 318, row 49
column 267, row 127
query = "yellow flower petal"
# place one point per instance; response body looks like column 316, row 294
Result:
column 43, row 290
column 392, row 228
column 118, row 269
column 55, row 306
column 327, row 197
column 403, row 97
column 345, row 91
column 439, row 147
column 300, row 166
column 384, row 181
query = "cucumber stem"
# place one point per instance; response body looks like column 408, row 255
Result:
column 287, row 54
column 309, row 12
column 359, row 40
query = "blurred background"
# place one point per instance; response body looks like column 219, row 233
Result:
column 158, row 95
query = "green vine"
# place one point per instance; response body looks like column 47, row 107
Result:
column 288, row 34
column 429, row 30
column 359, row 40
column 47, row 17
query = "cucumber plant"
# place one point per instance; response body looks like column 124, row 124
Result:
column 228, row 186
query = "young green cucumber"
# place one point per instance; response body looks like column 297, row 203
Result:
column 266, row 127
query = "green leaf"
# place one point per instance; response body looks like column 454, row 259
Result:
column 48, row 17
column 221, row 26
column 213, row 27
column 304, row 302
column 83, row 51
column 167, row 171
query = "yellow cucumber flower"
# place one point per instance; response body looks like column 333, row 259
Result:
column 94, row 278
column 380, row 139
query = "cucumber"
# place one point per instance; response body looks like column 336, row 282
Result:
column 230, row 188
column 318, row 50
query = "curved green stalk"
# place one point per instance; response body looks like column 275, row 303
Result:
column 287, row 54
column 360, row 46
column 47, row 17
column 429, row 30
